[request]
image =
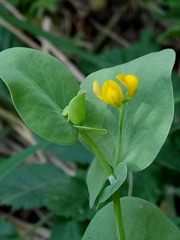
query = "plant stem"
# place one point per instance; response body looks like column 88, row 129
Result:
column 116, row 195
column 98, row 154
column 118, row 216
column 119, row 141
column 107, row 168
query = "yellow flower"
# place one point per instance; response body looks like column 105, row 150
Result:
column 130, row 82
column 111, row 93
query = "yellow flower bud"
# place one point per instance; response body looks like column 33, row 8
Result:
column 130, row 82
column 111, row 93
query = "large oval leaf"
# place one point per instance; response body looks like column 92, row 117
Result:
column 40, row 87
column 148, row 116
column 142, row 221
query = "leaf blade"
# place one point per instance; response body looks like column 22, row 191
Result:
column 40, row 90
column 142, row 220
column 146, row 124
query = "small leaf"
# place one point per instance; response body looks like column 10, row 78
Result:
column 141, row 219
column 76, row 109
column 96, row 180
column 121, row 174
column 40, row 88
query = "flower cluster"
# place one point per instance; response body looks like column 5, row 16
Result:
column 111, row 92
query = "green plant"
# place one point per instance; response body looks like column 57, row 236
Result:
column 36, row 8
column 125, row 132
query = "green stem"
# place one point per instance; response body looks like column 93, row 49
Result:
column 98, row 154
column 107, row 168
column 35, row 226
column 119, row 141
column 116, row 195
column 118, row 216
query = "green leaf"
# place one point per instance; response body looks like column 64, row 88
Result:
column 8, row 231
column 65, row 230
column 76, row 109
column 93, row 118
column 121, row 174
column 40, row 87
column 70, row 199
column 28, row 186
column 96, row 180
column 142, row 220
column 9, row 164
column 146, row 124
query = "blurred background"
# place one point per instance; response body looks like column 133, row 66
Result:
column 43, row 195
